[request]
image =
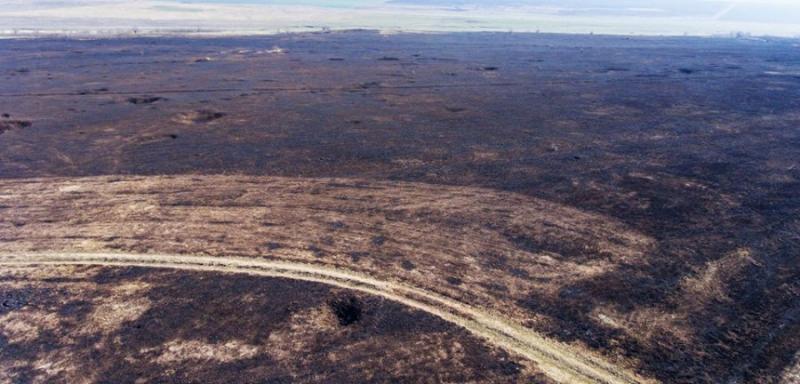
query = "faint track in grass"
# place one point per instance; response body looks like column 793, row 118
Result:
column 559, row 361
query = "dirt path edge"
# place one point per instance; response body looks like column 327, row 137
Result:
column 561, row 362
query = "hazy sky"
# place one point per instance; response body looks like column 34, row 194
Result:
column 656, row 17
column 787, row 11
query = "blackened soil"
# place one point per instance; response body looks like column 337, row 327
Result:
column 215, row 328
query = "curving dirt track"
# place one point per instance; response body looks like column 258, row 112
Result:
column 121, row 324
column 557, row 360
column 444, row 250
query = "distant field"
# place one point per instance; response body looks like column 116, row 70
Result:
column 630, row 204
column 93, row 18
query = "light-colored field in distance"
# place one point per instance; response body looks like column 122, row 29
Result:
column 242, row 17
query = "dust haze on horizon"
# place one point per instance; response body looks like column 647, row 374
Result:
column 221, row 17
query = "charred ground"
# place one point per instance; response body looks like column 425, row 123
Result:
column 692, row 142
column 99, row 324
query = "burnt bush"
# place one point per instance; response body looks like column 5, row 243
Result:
column 12, row 300
column 315, row 250
column 407, row 265
column 357, row 255
column 205, row 116
column 13, row 124
column 337, row 225
column 378, row 240
column 144, row 99
column 348, row 309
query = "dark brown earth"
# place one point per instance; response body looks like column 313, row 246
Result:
column 125, row 325
column 692, row 143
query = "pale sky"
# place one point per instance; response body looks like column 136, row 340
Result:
column 655, row 17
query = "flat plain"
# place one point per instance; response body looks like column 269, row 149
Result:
column 448, row 207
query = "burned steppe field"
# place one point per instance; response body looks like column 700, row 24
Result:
column 359, row 207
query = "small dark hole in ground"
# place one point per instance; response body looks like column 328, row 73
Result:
column 454, row 280
column 347, row 309
column 490, row 68
column 389, row 58
column 6, row 116
column 686, row 71
column 172, row 136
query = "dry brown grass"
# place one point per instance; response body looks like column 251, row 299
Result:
column 479, row 246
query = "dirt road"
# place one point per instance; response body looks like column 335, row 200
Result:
column 556, row 359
